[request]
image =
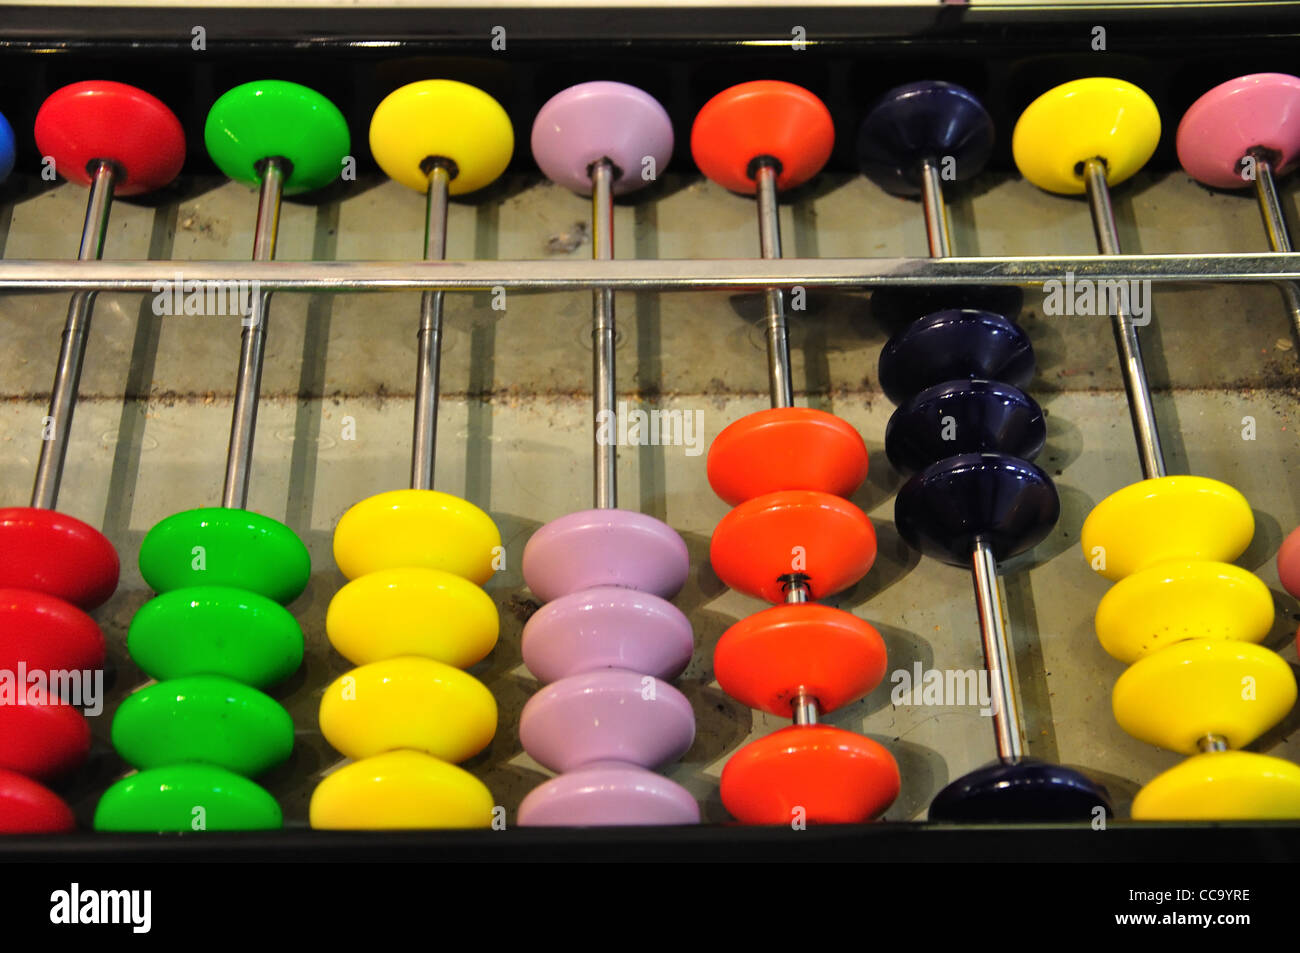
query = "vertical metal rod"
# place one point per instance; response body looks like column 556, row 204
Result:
column 769, row 237
column 1007, row 727
column 603, row 389
column 424, row 441
column 67, row 376
column 1279, row 239
column 243, row 423
column 1141, row 410
column 937, row 232
column 805, row 709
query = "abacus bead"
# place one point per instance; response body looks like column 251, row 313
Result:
column 412, row 611
column 606, row 795
column 46, row 634
column 427, row 529
column 1020, row 792
column 955, row 345
column 786, row 448
column 1222, row 786
column 1288, row 563
column 41, row 735
column 968, row 416
column 6, row 148
column 605, row 547
column 408, row 702
column 400, row 790
column 610, row 715
column 1260, row 111
column 30, row 808
column 607, row 627
column 56, row 554
column 164, row 800
column 205, row 718
column 215, row 630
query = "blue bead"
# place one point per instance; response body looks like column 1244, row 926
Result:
column 955, row 345
column 6, row 148
column 969, row 416
column 927, row 120
column 1008, row 502
column 1025, row 791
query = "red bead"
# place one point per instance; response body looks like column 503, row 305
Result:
column 30, row 808
column 100, row 119
column 812, row 773
column 42, row 736
column 56, row 554
column 765, row 659
column 1288, row 563
column 46, row 634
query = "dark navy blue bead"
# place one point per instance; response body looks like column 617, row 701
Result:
column 1025, row 791
column 1007, row 501
column 955, row 345
column 896, row 306
column 6, row 149
column 927, row 120
column 970, row 416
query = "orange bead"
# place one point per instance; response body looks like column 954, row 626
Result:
column 811, row 773
column 786, row 448
column 821, row 536
column 762, row 118
column 832, row 655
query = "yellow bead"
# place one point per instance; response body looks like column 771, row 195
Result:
column 1183, row 518
column 410, row 611
column 400, row 790
column 1189, row 690
column 442, row 119
column 1174, row 601
column 1085, row 119
column 421, row 528
column 1222, row 786
column 408, row 702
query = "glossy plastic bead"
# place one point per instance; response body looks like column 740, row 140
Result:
column 1288, row 563
column 1164, row 519
column 1189, row 690
column 216, row 630
column 187, row 797
column 957, row 417
column 206, row 718
column 786, row 448
column 606, row 795
column 400, row 790
column 583, row 124
column 765, row 660
column 930, row 120
column 1250, row 112
column 602, row 547
column 427, row 529
column 46, row 634
column 216, row 546
column 408, row 702
column 441, row 119
column 762, row 542
column 7, row 151
column 611, row 715
column 273, row 118
column 30, row 808
column 56, row 554
column 1222, row 786
column 813, row 773
column 1008, row 502
column 41, row 735
column 99, row 119
column 1172, row 601
column 1020, row 792
column 1104, row 118
column 955, row 345
column 607, row 627
column 762, row 118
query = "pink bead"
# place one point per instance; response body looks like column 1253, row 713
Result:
column 1221, row 127
column 607, row 794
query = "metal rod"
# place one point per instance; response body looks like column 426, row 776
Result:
column 57, row 425
column 1212, row 743
column 805, row 709
column 1141, row 410
column 1007, row 726
column 1279, row 239
column 243, row 423
column 603, row 389
column 424, row 442
column 937, row 232
column 769, row 238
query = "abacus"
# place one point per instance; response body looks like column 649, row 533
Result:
column 903, row 373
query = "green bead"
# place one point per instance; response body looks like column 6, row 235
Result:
column 203, row 718
column 224, row 547
column 187, row 797
column 216, row 630
column 270, row 118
